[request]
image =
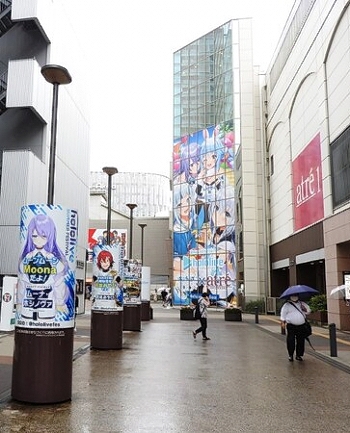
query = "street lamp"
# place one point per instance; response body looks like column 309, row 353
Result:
column 110, row 171
column 142, row 227
column 56, row 75
column 131, row 206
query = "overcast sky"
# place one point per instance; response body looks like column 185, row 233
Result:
column 130, row 46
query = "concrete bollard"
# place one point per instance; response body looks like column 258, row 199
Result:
column 333, row 339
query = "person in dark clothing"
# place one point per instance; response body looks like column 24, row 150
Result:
column 203, row 305
column 164, row 295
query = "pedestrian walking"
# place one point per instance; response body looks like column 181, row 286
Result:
column 168, row 300
column 76, row 307
column 164, row 295
column 293, row 316
column 203, row 303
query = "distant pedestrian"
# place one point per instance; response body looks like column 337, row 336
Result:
column 76, row 307
column 293, row 316
column 203, row 303
column 164, row 295
column 169, row 300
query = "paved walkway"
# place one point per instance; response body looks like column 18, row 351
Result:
column 165, row 381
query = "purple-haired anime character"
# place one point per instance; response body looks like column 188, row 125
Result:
column 189, row 163
column 42, row 290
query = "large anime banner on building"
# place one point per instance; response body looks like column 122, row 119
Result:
column 46, row 270
column 107, row 286
column 204, row 216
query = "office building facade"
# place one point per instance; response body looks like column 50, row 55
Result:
column 307, row 148
column 35, row 33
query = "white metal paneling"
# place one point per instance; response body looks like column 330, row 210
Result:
column 9, row 249
column 24, row 177
column 24, row 184
column 22, row 9
column 26, row 87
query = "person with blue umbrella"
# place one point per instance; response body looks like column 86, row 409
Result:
column 293, row 317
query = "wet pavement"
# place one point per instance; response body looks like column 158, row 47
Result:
column 163, row 380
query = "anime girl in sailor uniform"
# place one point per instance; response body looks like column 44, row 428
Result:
column 42, row 291
column 222, row 227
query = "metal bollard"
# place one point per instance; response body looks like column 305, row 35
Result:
column 256, row 314
column 333, row 339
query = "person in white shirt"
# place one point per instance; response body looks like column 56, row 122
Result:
column 293, row 315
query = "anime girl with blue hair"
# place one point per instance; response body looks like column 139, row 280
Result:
column 42, row 290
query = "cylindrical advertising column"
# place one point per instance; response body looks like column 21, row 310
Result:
column 107, row 297
column 145, row 293
column 44, row 327
column 132, row 295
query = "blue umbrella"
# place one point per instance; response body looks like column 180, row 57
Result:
column 298, row 290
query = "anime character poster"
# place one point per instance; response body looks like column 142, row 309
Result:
column 132, row 281
column 107, row 286
column 46, row 267
column 99, row 237
column 204, row 216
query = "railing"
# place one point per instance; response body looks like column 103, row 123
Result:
column 3, row 87
column 3, row 82
column 4, row 4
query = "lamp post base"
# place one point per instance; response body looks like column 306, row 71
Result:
column 145, row 311
column 132, row 317
column 106, row 329
column 42, row 365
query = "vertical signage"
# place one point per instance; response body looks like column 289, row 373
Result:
column 46, row 269
column 107, row 291
column 307, row 185
column 7, row 304
column 204, row 248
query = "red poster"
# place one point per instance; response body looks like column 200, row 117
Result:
column 307, row 186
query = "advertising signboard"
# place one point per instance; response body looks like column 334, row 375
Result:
column 204, row 248
column 107, row 291
column 46, row 270
column 307, row 185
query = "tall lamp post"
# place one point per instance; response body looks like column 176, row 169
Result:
column 131, row 206
column 52, row 355
column 142, row 228
column 110, row 171
column 106, row 331
column 56, row 75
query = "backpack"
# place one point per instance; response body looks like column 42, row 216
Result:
column 197, row 312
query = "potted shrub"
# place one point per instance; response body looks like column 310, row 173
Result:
column 186, row 313
column 233, row 314
column 318, row 306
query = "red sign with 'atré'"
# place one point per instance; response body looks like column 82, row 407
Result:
column 307, row 185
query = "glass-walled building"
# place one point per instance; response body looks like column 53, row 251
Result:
column 207, row 134
column 217, row 169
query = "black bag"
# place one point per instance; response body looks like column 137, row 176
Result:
column 307, row 330
column 197, row 312
column 306, row 327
